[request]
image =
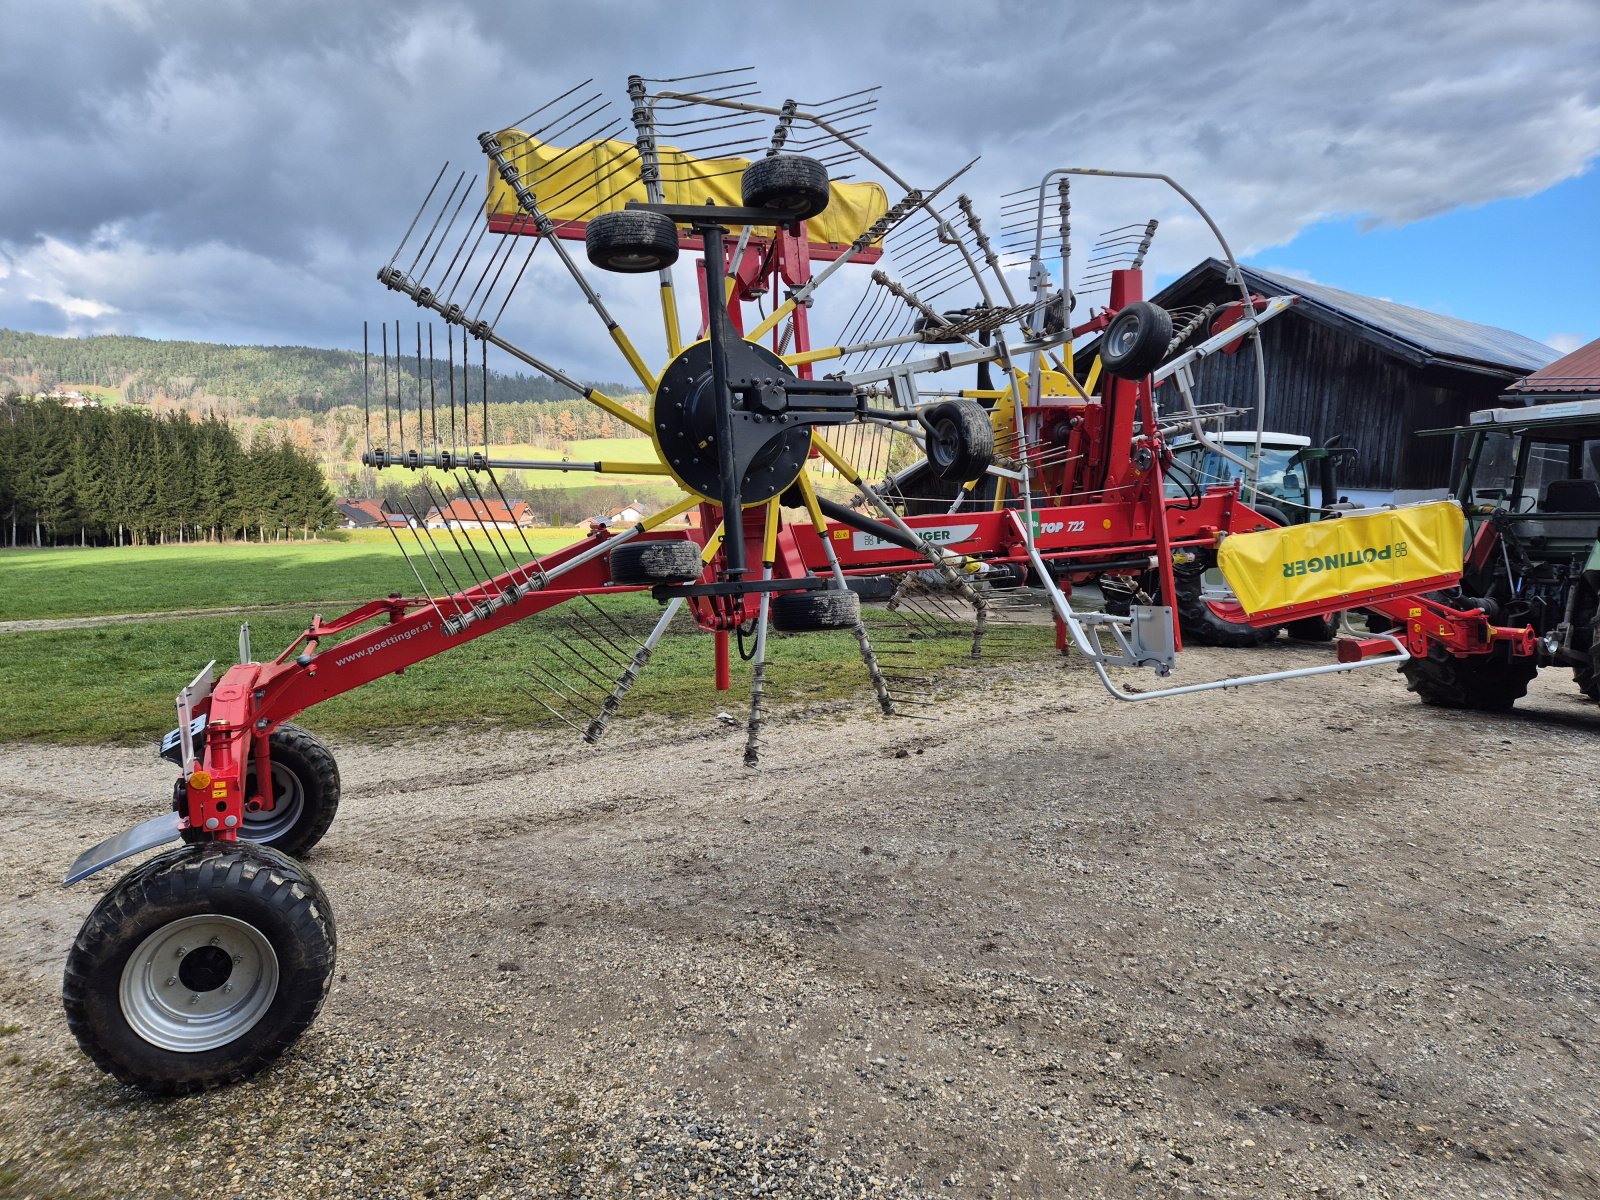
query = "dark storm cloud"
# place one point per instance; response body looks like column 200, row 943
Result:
column 238, row 171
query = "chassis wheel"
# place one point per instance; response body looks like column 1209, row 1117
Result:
column 631, row 243
column 650, row 563
column 1313, row 629
column 1136, row 340
column 812, row 612
column 1208, row 622
column 200, row 967
column 960, row 440
column 1483, row 683
column 305, row 794
column 790, row 183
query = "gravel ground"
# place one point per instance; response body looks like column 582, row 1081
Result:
column 1302, row 940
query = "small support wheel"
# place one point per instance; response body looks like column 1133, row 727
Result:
column 650, row 563
column 305, row 794
column 200, row 967
column 788, row 183
column 960, row 440
column 1136, row 340
column 631, row 242
column 814, row 612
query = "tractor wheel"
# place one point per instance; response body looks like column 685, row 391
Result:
column 1313, row 629
column 1210, row 622
column 200, row 967
column 813, row 612
column 631, row 243
column 960, row 440
column 650, row 563
column 305, row 794
column 1272, row 513
column 1584, row 677
column 1136, row 340
column 789, row 183
column 1483, row 683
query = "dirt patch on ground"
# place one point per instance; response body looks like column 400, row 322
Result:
column 1303, row 940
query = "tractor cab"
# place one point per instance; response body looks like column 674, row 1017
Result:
column 1281, row 478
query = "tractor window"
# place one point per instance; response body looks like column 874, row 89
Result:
column 1278, row 483
column 1495, row 479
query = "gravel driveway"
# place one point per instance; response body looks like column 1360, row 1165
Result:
column 1303, row 940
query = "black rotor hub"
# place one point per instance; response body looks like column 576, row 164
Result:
column 770, row 442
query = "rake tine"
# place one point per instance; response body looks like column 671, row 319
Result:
column 433, row 407
column 540, row 701
column 439, row 504
column 420, row 210
column 548, row 103
column 508, row 568
column 399, row 386
column 443, row 208
column 366, row 392
column 445, row 236
column 573, row 696
column 387, row 441
column 483, row 566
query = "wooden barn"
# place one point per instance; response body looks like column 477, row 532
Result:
column 1371, row 369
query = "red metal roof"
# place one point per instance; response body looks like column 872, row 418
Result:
column 1575, row 372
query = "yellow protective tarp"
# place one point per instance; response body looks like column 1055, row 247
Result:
column 577, row 184
column 1301, row 564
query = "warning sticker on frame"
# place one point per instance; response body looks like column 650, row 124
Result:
column 939, row 535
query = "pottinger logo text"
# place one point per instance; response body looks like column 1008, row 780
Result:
column 1323, row 564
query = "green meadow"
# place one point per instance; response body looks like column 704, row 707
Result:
column 116, row 683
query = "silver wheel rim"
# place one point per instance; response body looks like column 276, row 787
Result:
column 288, row 802
column 1125, row 337
column 198, row 983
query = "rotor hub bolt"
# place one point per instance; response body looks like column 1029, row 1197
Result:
column 181, row 951
column 195, row 998
column 172, row 980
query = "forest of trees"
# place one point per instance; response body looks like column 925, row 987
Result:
column 276, row 381
column 125, row 476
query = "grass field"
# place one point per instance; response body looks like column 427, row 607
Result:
column 115, row 683
column 81, row 583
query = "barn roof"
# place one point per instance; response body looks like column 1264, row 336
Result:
column 1575, row 372
column 1414, row 334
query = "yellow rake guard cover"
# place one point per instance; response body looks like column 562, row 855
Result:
column 1353, row 554
column 600, row 177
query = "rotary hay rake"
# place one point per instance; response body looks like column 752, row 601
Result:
column 205, row 963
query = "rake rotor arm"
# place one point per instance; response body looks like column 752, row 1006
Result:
column 397, row 281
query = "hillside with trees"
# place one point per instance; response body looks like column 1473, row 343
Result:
column 124, row 476
column 273, row 381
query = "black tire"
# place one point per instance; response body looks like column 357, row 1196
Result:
column 792, row 184
column 1587, row 681
column 1201, row 623
column 651, row 563
column 1481, row 683
column 631, row 242
column 813, row 612
column 1313, row 629
column 1272, row 513
column 1136, row 340
column 246, row 899
column 305, row 794
column 960, row 440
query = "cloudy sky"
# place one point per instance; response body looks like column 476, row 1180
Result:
column 237, row 172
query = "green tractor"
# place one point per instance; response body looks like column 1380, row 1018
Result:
column 1530, row 486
